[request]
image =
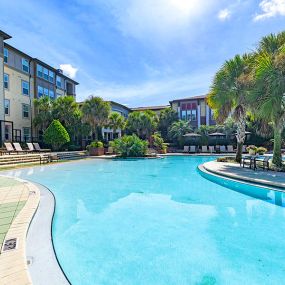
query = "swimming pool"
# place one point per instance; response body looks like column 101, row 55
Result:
column 158, row 221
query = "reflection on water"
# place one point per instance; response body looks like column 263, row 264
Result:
column 269, row 195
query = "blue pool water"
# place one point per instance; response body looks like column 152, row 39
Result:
column 158, row 221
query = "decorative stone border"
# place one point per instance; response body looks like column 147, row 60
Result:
column 13, row 264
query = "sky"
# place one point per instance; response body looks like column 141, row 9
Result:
column 139, row 52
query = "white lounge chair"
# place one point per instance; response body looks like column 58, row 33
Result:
column 230, row 148
column 204, row 148
column 192, row 149
column 9, row 147
column 211, row 149
column 186, row 148
column 19, row 149
column 31, row 147
column 222, row 148
column 38, row 148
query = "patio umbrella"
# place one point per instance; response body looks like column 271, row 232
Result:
column 193, row 136
column 217, row 135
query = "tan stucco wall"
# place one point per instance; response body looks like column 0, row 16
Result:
column 175, row 106
column 17, row 99
column 203, row 108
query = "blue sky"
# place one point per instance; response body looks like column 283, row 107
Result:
column 139, row 52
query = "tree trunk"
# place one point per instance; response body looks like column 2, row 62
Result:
column 240, row 137
column 277, row 156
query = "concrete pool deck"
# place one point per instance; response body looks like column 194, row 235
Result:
column 18, row 203
column 235, row 171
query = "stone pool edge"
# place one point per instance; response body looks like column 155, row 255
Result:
column 43, row 262
column 245, row 180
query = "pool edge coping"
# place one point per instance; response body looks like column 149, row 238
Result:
column 241, row 179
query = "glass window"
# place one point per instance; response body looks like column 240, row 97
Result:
column 6, row 81
column 39, row 70
column 51, row 76
column 45, row 74
column 58, row 81
column 26, row 134
column 26, row 110
column 7, row 107
column 6, row 54
column 25, row 65
column 194, row 115
column 183, row 115
column 25, row 87
column 40, row 91
column 51, row 94
column 45, row 91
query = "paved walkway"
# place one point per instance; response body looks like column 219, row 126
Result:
column 18, row 203
column 235, row 171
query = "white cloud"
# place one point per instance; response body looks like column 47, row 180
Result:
column 224, row 14
column 69, row 70
column 158, row 20
column 270, row 8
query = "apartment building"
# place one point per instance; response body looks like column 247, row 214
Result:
column 156, row 109
column 195, row 110
column 24, row 79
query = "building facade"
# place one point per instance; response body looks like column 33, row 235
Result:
column 156, row 109
column 109, row 134
column 24, row 79
column 195, row 110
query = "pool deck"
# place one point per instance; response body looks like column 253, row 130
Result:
column 235, row 171
column 18, row 203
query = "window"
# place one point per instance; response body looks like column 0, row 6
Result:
column 6, row 81
column 45, row 91
column 183, row 115
column 6, row 54
column 25, row 65
column 40, row 91
column 39, row 70
column 7, row 133
column 7, row 107
column 51, row 76
column 25, row 88
column 51, row 94
column 58, row 81
column 194, row 115
column 26, row 134
column 45, row 74
column 26, row 110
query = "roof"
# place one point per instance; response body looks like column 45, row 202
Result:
column 41, row 62
column 190, row 98
column 153, row 108
column 4, row 35
column 121, row 105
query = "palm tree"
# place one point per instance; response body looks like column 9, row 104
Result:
column 229, row 95
column 269, row 94
column 166, row 118
column 43, row 113
column 178, row 129
column 95, row 112
column 116, row 121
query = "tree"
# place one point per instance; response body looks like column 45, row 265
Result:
column 166, row 118
column 268, row 95
column 178, row 129
column 229, row 95
column 96, row 113
column 56, row 135
column 43, row 114
column 116, row 121
column 142, row 123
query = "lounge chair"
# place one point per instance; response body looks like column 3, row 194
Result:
column 19, row 149
column 263, row 160
column 204, row 148
column 223, row 149
column 230, row 148
column 110, row 150
column 9, row 147
column 192, row 149
column 186, row 149
column 38, row 148
column 31, row 147
column 248, row 159
column 211, row 149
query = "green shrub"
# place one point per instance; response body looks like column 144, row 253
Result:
column 158, row 142
column 56, row 135
column 130, row 146
column 261, row 150
column 251, row 147
column 95, row 144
